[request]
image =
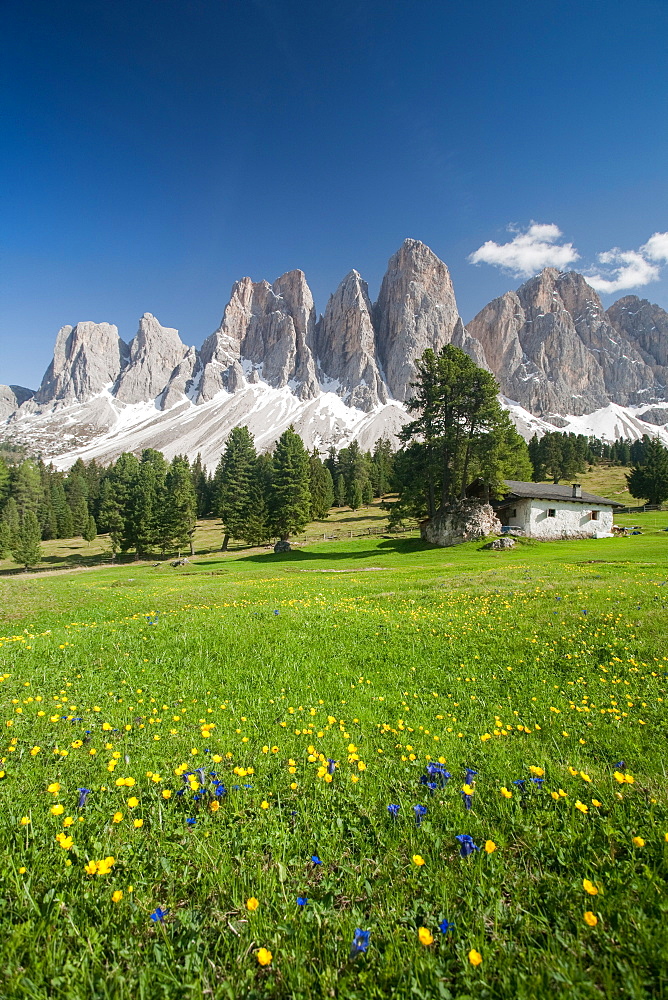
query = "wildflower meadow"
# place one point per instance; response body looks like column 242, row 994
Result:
column 363, row 769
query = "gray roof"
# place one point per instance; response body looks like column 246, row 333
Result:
column 548, row 491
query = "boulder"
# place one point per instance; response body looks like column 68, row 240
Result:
column 282, row 546
column 500, row 543
column 461, row 521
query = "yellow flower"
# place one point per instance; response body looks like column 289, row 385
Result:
column 22, row 870
column 264, row 956
column 65, row 842
column 581, row 806
column 538, row 771
column 506, row 794
column 166, row 793
column 117, row 817
column 619, row 777
column 215, row 806
column 638, row 842
column 585, row 777
column 590, row 919
column 589, row 887
column 425, row 936
column 264, row 804
column 68, row 821
column 555, row 796
column 475, row 958
column 629, row 779
column 327, row 778
column 418, row 860
column 596, row 803
column 562, row 794
column 57, row 810
column 490, row 846
column 117, row 896
column 137, row 823
column 252, row 904
column 572, row 771
column 133, row 802
column 26, row 819
column 90, row 867
column 54, row 788
column 468, row 789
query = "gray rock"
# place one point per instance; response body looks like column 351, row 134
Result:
column 461, row 521
column 155, row 352
column 500, row 543
column 87, row 358
column 282, row 546
column 416, row 309
column 655, row 415
column 11, row 397
column 345, row 346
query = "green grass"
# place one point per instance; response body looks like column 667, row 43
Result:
column 403, row 652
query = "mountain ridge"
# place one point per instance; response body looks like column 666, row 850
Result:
column 558, row 356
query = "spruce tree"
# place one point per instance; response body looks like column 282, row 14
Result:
column 355, row 495
column 237, row 496
column 340, row 491
column 90, row 532
column 27, row 552
column 5, row 540
column 290, row 498
column 648, row 480
column 4, row 483
column 10, row 517
column 367, row 492
column 181, row 503
column 321, row 486
column 27, row 487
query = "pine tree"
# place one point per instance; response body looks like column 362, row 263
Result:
column 340, row 491
column 367, row 492
column 181, row 504
column 116, row 498
column 27, row 552
column 354, row 495
column 383, row 459
column 145, row 508
column 321, row 486
column 648, row 480
column 290, row 498
column 5, row 540
column 10, row 517
column 27, row 488
column 4, row 483
column 201, row 486
column 90, row 532
column 237, row 494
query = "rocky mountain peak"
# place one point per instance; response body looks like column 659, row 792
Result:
column 11, row 397
column 87, row 358
column 345, row 344
column 645, row 325
column 154, row 353
column 416, row 309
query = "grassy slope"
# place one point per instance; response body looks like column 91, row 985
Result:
column 402, row 651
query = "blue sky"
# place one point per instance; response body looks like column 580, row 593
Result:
column 156, row 150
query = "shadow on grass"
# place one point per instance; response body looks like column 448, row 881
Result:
column 399, row 546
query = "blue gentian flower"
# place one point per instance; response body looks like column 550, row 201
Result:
column 393, row 810
column 420, row 813
column 360, row 942
column 331, row 766
column 445, row 926
column 315, row 859
column 158, row 915
column 431, row 785
column 190, row 821
column 302, row 900
column 469, row 776
column 181, row 791
column 620, row 765
column 466, row 845
column 276, row 612
column 83, row 795
column 219, row 790
column 538, row 781
column 438, row 772
column 520, row 782
column 468, row 800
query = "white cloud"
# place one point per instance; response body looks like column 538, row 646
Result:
column 528, row 252
column 625, row 269
column 656, row 248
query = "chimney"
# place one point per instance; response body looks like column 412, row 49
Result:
column 577, row 491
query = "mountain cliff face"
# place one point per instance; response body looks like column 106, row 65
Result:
column 416, row 309
column 557, row 355
column 552, row 348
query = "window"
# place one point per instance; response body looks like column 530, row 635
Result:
column 551, row 512
column 594, row 515
column 513, row 513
